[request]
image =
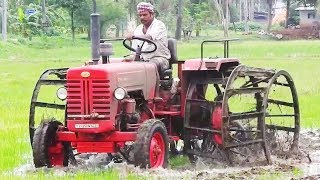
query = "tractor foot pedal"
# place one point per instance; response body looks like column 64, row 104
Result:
column 157, row 99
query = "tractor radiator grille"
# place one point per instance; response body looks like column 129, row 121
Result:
column 88, row 99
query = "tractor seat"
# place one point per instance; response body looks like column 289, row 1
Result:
column 172, row 46
column 166, row 75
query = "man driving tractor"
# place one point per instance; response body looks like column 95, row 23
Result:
column 155, row 30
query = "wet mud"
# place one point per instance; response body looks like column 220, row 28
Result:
column 303, row 164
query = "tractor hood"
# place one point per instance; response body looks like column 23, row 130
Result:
column 132, row 76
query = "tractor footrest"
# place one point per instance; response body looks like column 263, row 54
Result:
column 95, row 147
column 174, row 138
column 171, row 113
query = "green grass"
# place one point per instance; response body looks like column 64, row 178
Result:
column 44, row 174
column 23, row 63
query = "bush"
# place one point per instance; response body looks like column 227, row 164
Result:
column 51, row 31
column 276, row 27
column 240, row 26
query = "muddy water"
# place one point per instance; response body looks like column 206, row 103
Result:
column 306, row 166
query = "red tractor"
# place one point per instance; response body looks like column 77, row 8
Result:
column 219, row 108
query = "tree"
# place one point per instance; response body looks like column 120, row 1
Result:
column 4, row 19
column 201, row 15
column 288, row 5
column 270, row 5
column 196, row 14
column 27, row 25
column 179, row 20
column 223, row 10
column 310, row 2
column 246, row 16
column 110, row 13
column 71, row 6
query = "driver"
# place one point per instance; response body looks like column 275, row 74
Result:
column 155, row 30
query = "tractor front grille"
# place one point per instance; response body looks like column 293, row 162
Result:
column 88, row 99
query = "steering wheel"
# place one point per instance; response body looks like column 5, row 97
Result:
column 139, row 49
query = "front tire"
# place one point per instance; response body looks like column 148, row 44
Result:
column 47, row 152
column 151, row 147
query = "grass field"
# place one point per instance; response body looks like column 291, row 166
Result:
column 22, row 64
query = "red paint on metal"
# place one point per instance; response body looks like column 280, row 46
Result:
column 102, row 126
column 115, row 136
column 171, row 113
column 95, row 147
column 207, row 64
column 55, row 154
column 157, row 150
column 216, row 123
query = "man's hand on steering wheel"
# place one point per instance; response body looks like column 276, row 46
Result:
column 139, row 49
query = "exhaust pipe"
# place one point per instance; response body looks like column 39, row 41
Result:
column 95, row 34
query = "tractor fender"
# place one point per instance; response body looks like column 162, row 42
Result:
column 209, row 64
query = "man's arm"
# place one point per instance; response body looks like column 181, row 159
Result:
column 145, row 36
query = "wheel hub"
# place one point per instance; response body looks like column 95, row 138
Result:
column 156, row 150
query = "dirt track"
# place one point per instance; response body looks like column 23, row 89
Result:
column 307, row 166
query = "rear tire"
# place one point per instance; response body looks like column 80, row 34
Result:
column 43, row 140
column 151, row 147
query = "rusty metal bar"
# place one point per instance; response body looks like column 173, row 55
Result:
column 256, row 72
column 252, row 90
column 243, row 116
column 203, row 129
column 281, row 84
column 52, row 82
column 246, row 85
column 243, row 130
column 49, row 105
column 200, row 101
column 289, row 129
column 280, row 102
column 280, row 115
column 245, row 143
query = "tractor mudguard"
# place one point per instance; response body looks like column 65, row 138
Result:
column 209, row 64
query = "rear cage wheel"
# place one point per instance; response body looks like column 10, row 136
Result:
column 248, row 117
column 202, row 120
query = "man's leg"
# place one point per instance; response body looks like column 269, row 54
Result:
column 162, row 64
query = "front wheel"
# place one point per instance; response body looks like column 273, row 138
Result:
column 47, row 152
column 151, row 147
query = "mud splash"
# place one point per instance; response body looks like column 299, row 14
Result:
column 306, row 166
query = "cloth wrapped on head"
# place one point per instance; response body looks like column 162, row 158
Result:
column 144, row 6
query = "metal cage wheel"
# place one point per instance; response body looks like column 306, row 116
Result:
column 202, row 120
column 282, row 115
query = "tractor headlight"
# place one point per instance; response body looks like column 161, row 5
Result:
column 120, row 93
column 62, row 93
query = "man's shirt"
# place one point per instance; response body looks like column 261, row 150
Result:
column 157, row 30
